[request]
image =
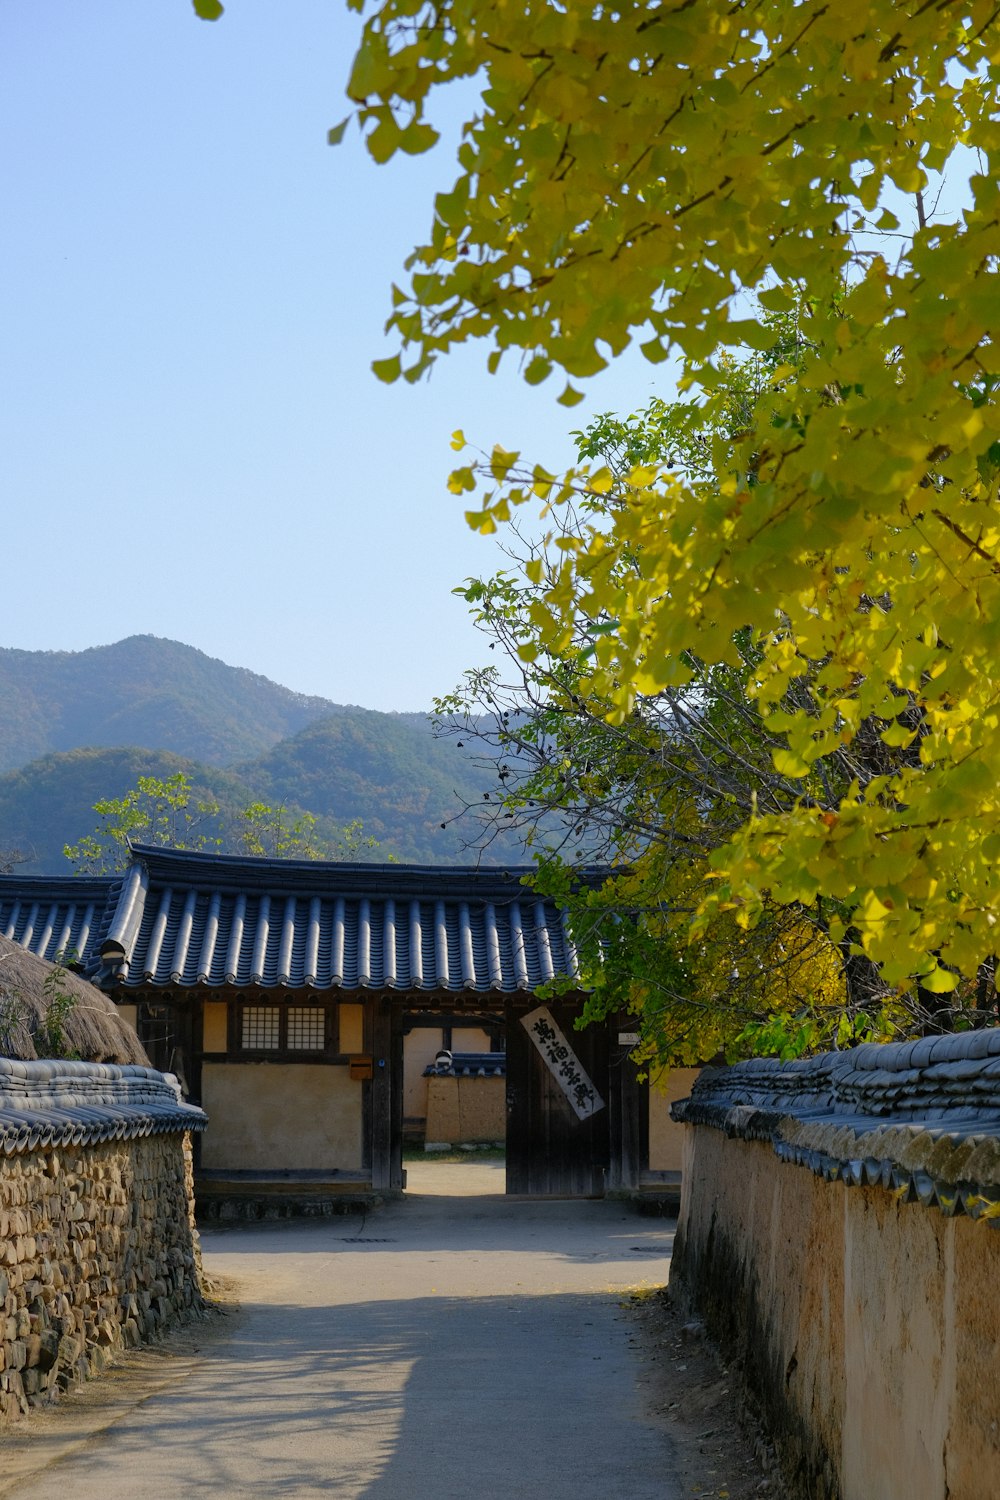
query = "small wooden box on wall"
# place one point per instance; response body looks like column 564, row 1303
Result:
column 360, row 1067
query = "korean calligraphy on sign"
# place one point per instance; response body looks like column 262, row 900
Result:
column 562, row 1062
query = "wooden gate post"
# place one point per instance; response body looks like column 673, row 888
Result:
column 381, row 1094
column 628, row 1107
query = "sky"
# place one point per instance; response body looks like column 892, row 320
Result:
column 193, row 285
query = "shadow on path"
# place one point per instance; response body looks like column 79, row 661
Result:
column 530, row 1396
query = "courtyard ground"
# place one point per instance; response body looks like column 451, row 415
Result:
column 457, row 1344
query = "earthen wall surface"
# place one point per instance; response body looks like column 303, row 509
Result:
column 666, row 1137
column 854, row 1280
column 466, row 1110
column 272, row 1116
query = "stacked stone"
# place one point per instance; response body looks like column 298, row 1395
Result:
column 98, row 1249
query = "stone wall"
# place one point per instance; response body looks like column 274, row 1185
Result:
column 836, row 1233
column 98, row 1249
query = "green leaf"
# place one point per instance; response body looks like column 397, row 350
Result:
column 461, row 480
column 570, row 396
column 788, row 763
column 655, row 351
column 939, row 981
column 418, row 137
column 776, row 299
column 538, row 369
column 207, row 10
column 335, row 134
column 386, row 370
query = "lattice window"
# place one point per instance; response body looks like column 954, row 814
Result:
column 286, row 1031
column 306, row 1028
column 260, row 1028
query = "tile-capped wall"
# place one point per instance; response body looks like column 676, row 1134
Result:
column 98, row 1249
column 837, row 1233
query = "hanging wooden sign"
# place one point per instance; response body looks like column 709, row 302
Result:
column 562, row 1062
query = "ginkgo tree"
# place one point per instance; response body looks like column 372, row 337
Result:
column 650, row 796
column 635, row 172
column 171, row 812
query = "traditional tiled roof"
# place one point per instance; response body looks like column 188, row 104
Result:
column 470, row 1065
column 57, row 917
column 183, row 920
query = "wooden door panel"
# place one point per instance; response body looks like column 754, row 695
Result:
column 550, row 1152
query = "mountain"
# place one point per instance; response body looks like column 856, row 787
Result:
column 143, row 691
column 389, row 772
column 87, row 724
column 49, row 802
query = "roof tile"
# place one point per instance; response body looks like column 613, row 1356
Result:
column 177, row 918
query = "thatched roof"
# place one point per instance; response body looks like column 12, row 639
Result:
column 92, row 1028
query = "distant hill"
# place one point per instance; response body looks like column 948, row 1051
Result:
column 143, row 691
column 385, row 769
column 89, row 723
column 49, row 802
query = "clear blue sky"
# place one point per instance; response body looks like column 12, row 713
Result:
column 193, row 287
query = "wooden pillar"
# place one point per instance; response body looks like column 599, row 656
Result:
column 381, row 1094
column 628, row 1108
column 397, row 1177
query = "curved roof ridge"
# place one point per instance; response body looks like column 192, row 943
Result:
column 208, row 870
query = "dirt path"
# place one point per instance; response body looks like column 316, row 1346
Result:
column 445, row 1348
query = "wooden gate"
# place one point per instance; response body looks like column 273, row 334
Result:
column 550, row 1151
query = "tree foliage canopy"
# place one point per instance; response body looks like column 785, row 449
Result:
column 166, row 811
column 651, row 796
column 660, row 172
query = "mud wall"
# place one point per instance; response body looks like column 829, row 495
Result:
column 98, row 1249
column 466, row 1110
column 846, row 1255
column 272, row 1116
column 666, row 1137
column 420, row 1047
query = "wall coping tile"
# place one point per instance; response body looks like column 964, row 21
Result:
column 920, row 1119
column 62, row 1103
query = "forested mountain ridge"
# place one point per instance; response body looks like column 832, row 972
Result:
column 383, row 768
column 238, row 737
column 143, row 691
